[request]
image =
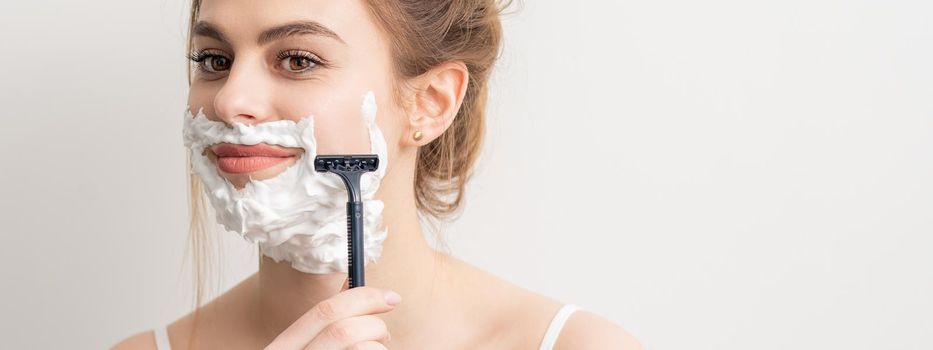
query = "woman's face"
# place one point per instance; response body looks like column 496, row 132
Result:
column 270, row 60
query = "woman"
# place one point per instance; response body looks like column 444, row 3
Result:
column 426, row 64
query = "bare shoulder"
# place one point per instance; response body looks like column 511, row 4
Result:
column 587, row 330
column 139, row 341
column 518, row 318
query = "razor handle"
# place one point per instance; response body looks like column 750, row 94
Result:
column 355, row 262
column 350, row 168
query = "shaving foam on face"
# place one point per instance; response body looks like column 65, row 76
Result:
column 300, row 215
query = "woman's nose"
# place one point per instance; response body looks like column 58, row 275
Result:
column 244, row 96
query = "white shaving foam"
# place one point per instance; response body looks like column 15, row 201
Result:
column 299, row 215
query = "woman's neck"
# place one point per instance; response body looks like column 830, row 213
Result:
column 407, row 265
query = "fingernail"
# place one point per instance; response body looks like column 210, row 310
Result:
column 392, row 298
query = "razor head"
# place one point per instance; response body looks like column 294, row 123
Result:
column 361, row 163
column 349, row 168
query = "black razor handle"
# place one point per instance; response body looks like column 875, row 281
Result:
column 355, row 261
column 350, row 168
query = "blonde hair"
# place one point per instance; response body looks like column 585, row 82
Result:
column 432, row 32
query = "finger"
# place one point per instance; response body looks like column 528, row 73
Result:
column 359, row 301
column 346, row 284
column 349, row 331
column 368, row 345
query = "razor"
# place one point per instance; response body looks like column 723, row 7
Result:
column 350, row 168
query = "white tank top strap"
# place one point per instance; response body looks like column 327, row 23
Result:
column 557, row 323
column 161, row 338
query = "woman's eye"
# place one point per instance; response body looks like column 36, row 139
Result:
column 217, row 64
column 210, row 62
column 297, row 64
column 298, row 61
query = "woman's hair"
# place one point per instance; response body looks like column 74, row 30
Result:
column 424, row 34
column 434, row 32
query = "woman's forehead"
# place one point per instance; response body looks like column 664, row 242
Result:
column 344, row 20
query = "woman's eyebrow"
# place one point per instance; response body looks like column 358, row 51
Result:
column 208, row 29
column 204, row 28
column 297, row 28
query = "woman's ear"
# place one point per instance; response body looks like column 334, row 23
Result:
column 438, row 94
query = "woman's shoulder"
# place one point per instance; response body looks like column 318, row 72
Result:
column 140, row 341
column 582, row 330
column 522, row 317
column 146, row 340
column 588, row 330
column 216, row 312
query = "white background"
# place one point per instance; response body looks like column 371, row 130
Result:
column 708, row 174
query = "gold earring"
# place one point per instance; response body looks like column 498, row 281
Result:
column 418, row 135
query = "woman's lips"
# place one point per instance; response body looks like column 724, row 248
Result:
column 240, row 159
column 241, row 165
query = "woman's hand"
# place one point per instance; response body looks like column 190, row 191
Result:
column 346, row 320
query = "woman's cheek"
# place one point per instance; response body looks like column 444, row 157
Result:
column 341, row 131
